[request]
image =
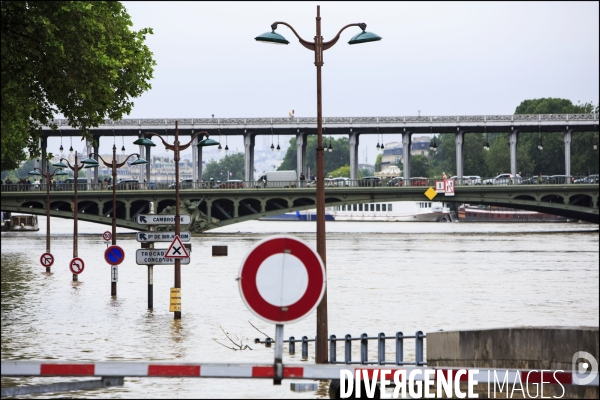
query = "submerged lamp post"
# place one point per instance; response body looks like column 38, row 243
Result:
column 75, row 168
column 177, row 147
column 318, row 47
column 58, row 172
column 113, row 165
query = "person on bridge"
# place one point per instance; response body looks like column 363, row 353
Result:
column 302, row 179
column 540, row 178
column 444, row 175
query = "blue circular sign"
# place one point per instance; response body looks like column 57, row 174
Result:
column 114, row 255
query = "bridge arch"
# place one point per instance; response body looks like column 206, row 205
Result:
column 222, row 209
column 60, row 205
column 249, row 206
column 276, row 204
column 33, row 204
column 553, row 198
column 88, row 207
column 162, row 204
column 525, row 197
column 139, row 207
column 582, row 200
column 107, row 209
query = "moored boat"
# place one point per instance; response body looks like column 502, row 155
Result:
column 481, row 213
column 19, row 223
column 393, row 211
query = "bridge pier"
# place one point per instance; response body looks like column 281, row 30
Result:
column 353, row 139
column 460, row 139
column 301, row 139
column 567, row 139
column 249, row 142
column 147, row 157
column 513, row 138
column 406, row 156
column 44, row 145
column 96, row 151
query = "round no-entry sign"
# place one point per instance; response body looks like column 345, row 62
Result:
column 47, row 260
column 282, row 279
column 114, row 255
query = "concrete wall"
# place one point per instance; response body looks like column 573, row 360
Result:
column 516, row 348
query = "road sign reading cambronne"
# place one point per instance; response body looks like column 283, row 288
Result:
column 282, row 279
column 158, row 219
column 162, row 236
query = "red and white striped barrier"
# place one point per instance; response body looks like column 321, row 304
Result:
column 290, row 371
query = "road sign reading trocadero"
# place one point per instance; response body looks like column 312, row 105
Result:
column 281, row 280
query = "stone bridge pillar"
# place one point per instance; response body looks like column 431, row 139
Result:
column 249, row 142
column 96, row 150
column 195, row 151
column 208, row 209
column 301, row 139
column 514, row 135
column 406, row 156
column 148, row 158
column 567, row 139
column 460, row 138
column 44, row 145
column 236, row 206
column 353, row 139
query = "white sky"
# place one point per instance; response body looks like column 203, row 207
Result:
column 461, row 58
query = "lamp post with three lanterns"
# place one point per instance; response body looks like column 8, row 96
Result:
column 177, row 147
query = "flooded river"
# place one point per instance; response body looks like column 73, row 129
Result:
column 382, row 277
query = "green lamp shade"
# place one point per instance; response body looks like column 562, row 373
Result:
column 364, row 37
column 90, row 163
column 271, row 37
column 60, row 165
column 139, row 161
column 34, row 172
column 208, row 142
column 60, row 172
column 144, row 142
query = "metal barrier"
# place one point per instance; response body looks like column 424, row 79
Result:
column 398, row 338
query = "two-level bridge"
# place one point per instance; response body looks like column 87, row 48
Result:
column 354, row 127
column 212, row 208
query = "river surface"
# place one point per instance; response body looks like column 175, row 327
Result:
column 382, row 277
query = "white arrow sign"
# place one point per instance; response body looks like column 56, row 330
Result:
column 159, row 219
column 162, row 236
column 155, row 257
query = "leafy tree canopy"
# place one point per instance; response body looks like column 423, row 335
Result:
column 218, row 170
column 338, row 157
column 76, row 58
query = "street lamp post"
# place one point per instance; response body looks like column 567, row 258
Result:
column 47, row 176
column 75, row 168
column 177, row 147
column 318, row 47
column 114, row 165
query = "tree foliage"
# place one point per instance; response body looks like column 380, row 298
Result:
column 218, row 170
column 338, row 157
column 76, row 58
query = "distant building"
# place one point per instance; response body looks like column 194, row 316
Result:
column 392, row 152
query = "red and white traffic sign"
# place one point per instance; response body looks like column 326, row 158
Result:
column 47, row 260
column 282, row 279
column 440, row 186
column 449, row 190
column 107, row 236
column 177, row 249
column 76, row 265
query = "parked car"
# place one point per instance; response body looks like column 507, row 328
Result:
column 341, row 181
column 67, row 184
column 418, row 181
column 468, row 180
column 126, row 184
column 329, row 182
column 231, row 184
column 535, row 180
column 370, row 181
column 504, row 179
column 559, row 179
column 589, row 179
column 184, row 184
column 397, row 181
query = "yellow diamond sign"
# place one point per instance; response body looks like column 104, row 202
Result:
column 430, row 193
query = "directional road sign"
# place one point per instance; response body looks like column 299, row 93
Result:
column 114, row 255
column 107, row 236
column 155, row 257
column 162, row 236
column 177, row 250
column 282, row 279
column 159, row 219
column 76, row 265
column 47, row 260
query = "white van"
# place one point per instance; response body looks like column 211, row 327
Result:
column 278, row 179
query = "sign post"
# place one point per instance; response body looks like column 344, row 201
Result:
column 281, row 280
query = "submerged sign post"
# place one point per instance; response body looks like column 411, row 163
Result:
column 159, row 219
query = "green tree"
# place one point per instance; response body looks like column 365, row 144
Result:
column 76, row 58
column 378, row 162
column 338, row 157
column 420, row 166
column 232, row 164
column 343, row 172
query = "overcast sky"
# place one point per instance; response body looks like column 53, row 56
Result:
column 462, row 58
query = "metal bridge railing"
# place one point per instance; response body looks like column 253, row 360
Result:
column 364, row 339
